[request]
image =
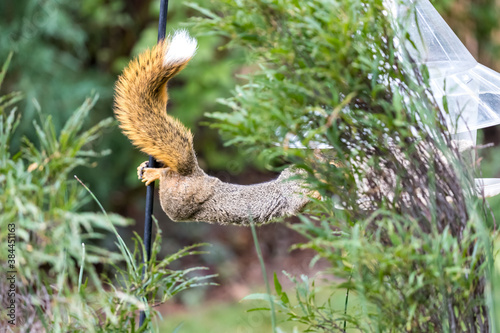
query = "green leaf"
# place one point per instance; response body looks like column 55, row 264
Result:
column 258, row 309
column 277, row 285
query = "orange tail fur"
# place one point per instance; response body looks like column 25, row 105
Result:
column 141, row 100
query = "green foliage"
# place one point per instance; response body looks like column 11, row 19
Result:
column 66, row 50
column 38, row 197
column 57, row 245
column 399, row 219
column 49, row 42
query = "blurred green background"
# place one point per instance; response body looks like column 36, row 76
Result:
column 66, row 50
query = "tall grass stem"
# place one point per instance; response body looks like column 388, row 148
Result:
column 80, row 276
column 263, row 267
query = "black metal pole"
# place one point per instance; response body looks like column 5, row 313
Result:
column 148, row 220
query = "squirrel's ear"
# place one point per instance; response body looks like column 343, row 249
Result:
column 180, row 48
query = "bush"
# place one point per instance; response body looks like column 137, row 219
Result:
column 399, row 221
column 54, row 249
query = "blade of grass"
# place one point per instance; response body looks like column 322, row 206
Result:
column 263, row 267
column 346, row 301
column 80, row 276
column 123, row 248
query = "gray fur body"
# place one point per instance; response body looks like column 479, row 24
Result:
column 199, row 197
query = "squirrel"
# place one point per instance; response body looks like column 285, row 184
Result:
column 187, row 193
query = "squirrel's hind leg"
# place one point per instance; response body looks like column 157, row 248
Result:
column 148, row 175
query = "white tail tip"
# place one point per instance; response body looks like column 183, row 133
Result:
column 181, row 48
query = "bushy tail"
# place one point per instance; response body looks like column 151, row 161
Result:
column 141, row 100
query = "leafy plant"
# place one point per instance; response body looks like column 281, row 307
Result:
column 337, row 94
column 66, row 278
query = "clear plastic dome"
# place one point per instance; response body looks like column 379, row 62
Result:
column 472, row 90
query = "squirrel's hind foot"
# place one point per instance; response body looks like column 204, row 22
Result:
column 148, row 175
column 140, row 169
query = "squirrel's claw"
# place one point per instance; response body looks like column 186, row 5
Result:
column 140, row 169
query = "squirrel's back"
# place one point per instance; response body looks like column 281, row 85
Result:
column 141, row 99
